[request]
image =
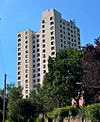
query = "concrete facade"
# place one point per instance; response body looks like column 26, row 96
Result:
column 55, row 34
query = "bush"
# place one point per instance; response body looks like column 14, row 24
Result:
column 63, row 112
column 92, row 112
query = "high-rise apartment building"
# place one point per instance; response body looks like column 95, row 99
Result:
column 34, row 49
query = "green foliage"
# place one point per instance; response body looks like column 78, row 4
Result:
column 60, row 83
column 22, row 111
column 93, row 112
column 36, row 97
column 39, row 119
column 63, row 112
column 14, row 94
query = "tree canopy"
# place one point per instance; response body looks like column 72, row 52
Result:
column 60, row 83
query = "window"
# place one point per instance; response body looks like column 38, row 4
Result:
column 38, row 59
column 44, row 71
column 44, row 56
column 52, row 37
column 38, row 50
column 43, row 46
column 38, row 80
column 26, row 46
column 19, row 35
column 26, row 92
column 68, row 38
column 19, row 40
column 64, row 42
column 26, row 86
column 61, row 31
column 71, row 35
column 37, row 40
column 26, row 71
column 52, row 33
column 38, row 64
column 38, row 54
column 34, row 81
column 72, row 31
column 33, row 51
column 19, row 44
column 68, row 29
column 19, row 68
column 26, row 56
column 61, row 45
column 64, row 28
column 19, row 73
column 38, row 74
column 52, row 53
column 44, row 66
column 43, row 36
column 26, row 76
column 43, row 31
column 19, row 77
column 44, row 51
column 19, row 49
column 51, row 23
column 38, row 36
column 38, row 69
column 26, row 37
column 34, row 71
column 26, row 66
column 43, row 21
column 61, row 40
column 26, row 81
column 19, row 63
column 44, row 61
column 63, row 23
column 43, row 26
column 52, row 43
column 26, row 42
column 68, row 42
column 33, row 46
column 33, row 37
column 33, row 61
column 43, row 40
column 34, row 76
column 51, row 18
column 19, row 58
column 33, row 56
column 26, row 51
column 61, row 26
column 26, row 33
column 37, row 45
column 61, row 35
column 33, row 41
column 52, row 48
column 52, row 27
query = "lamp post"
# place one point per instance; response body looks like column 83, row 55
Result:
column 4, row 98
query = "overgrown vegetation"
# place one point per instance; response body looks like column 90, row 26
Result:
column 70, row 74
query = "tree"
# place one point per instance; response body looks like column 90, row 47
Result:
column 60, row 83
column 14, row 94
column 36, row 97
column 91, row 64
column 23, row 110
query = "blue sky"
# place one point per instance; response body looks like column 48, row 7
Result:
column 18, row 15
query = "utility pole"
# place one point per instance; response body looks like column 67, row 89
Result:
column 4, row 98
